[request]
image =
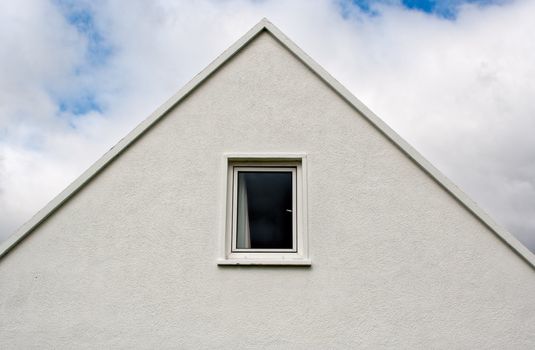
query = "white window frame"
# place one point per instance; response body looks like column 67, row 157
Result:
column 287, row 162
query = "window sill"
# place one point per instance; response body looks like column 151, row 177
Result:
column 272, row 262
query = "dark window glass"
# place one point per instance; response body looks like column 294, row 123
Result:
column 264, row 210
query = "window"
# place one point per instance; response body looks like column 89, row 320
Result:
column 265, row 210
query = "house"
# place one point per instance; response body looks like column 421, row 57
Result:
column 263, row 206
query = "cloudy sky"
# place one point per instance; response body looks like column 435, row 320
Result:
column 455, row 78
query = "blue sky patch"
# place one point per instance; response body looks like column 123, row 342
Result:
column 363, row 5
column 80, row 105
column 83, row 99
column 441, row 8
column 98, row 50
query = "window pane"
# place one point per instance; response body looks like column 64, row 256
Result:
column 264, row 210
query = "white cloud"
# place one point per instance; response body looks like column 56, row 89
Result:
column 458, row 90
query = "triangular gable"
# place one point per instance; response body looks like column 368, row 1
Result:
column 265, row 25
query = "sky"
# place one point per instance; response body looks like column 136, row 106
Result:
column 455, row 78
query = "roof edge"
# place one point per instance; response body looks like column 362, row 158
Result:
column 405, row 147
column 133, row 135
column 265, row 24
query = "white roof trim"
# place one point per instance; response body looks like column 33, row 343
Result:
column 264, row 24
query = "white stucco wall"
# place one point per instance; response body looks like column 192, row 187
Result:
column 130, row 260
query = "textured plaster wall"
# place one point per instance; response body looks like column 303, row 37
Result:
column 130, row 261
